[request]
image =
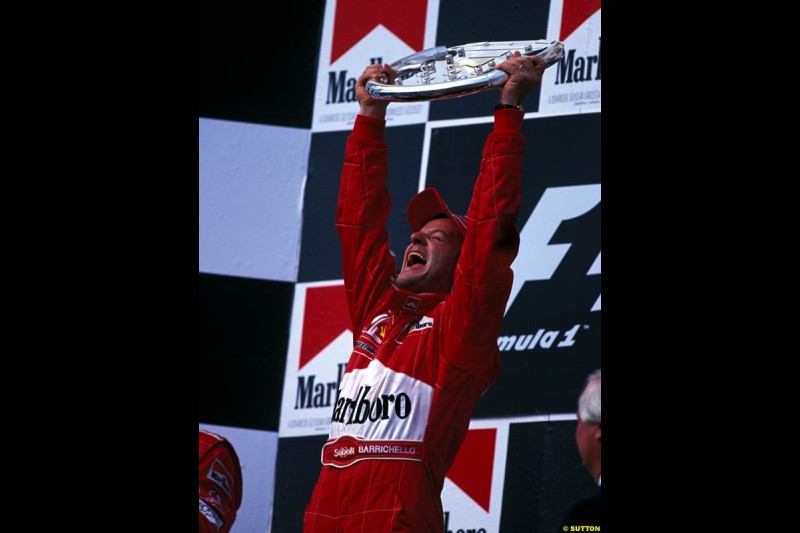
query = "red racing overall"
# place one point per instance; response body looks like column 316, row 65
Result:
column 420, row 361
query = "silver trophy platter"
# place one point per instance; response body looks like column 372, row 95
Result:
column 442, row 72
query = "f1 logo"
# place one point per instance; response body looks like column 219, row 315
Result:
column 537, row 259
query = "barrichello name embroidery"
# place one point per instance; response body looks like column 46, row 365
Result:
column 386, row 448
column 347, row 450
column 359, row 410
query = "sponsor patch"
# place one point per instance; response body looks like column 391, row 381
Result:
column 425, row 322
column 411, row 303
column 361, row 409
column 346, row 450
column 207, row 511
column 220, row 476
column 213, row 497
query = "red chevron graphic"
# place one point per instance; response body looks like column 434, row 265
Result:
column 324, row 318
column 356, row 18
column 574, row 13
column 473, row 466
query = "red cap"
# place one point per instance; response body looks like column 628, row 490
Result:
column 427, row 205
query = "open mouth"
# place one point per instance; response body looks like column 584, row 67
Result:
column 415, row 258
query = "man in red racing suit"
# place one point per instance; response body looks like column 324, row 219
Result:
column 425, row 345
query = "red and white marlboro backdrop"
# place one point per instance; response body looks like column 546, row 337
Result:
column 357, row 33
column 274, row 333
column 573, row 86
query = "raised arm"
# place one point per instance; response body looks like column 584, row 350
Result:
column 364, row 203
column 483, row 275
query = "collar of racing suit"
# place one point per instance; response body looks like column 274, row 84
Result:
column 403, row 302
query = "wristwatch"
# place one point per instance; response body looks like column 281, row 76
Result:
column 506, row 106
